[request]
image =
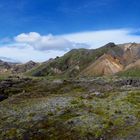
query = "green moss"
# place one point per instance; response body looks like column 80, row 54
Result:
column 32, row 114
column 135, row 72
column 119, row 122
column 98, row 133
column 75, row 102
column 11, row 133
column 134, row 98
column 115, row 114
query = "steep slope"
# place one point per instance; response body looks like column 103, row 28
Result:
column 75, row 61
column 76, row 58
column 131, row 59
column 105, row 65
column 135, row 64
column 131, row 52
column 131, row 70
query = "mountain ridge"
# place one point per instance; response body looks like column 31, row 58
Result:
column 109, row 59
column 75, row 62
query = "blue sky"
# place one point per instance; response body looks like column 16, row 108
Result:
column 67, row 23
column 66, row 16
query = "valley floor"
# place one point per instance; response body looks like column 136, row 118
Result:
column 73, row 109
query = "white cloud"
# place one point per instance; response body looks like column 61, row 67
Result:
column 33, row 46
column 99, row 38
column 28, row 53
column 28, row 38
column 48, row 42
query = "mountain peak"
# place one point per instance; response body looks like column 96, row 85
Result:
column 110, row 44
column 31, row 62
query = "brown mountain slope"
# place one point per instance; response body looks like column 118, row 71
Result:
column 112, row 62
column 105, row 65
column 135, row 64
column 131, row 52
column 75, row 61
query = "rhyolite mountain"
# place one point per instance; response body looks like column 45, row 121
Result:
column 107, row 60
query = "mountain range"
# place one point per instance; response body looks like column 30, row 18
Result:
column 106, row 60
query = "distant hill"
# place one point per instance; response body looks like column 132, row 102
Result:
column 15, row 68
column 4, row 67
column 21, row 68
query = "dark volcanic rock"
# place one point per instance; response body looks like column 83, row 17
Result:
column 130, row 82
column 2, row 97
column 11, row 86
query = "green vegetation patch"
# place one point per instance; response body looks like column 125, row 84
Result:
column 135, row 72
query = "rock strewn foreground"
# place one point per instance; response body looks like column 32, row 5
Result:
column 84, row 109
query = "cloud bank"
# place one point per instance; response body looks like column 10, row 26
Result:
column 97, row 39
column 48, row 42
column 33, row 46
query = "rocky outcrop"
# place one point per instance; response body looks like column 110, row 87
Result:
column 129, row 82
column 11, row 86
